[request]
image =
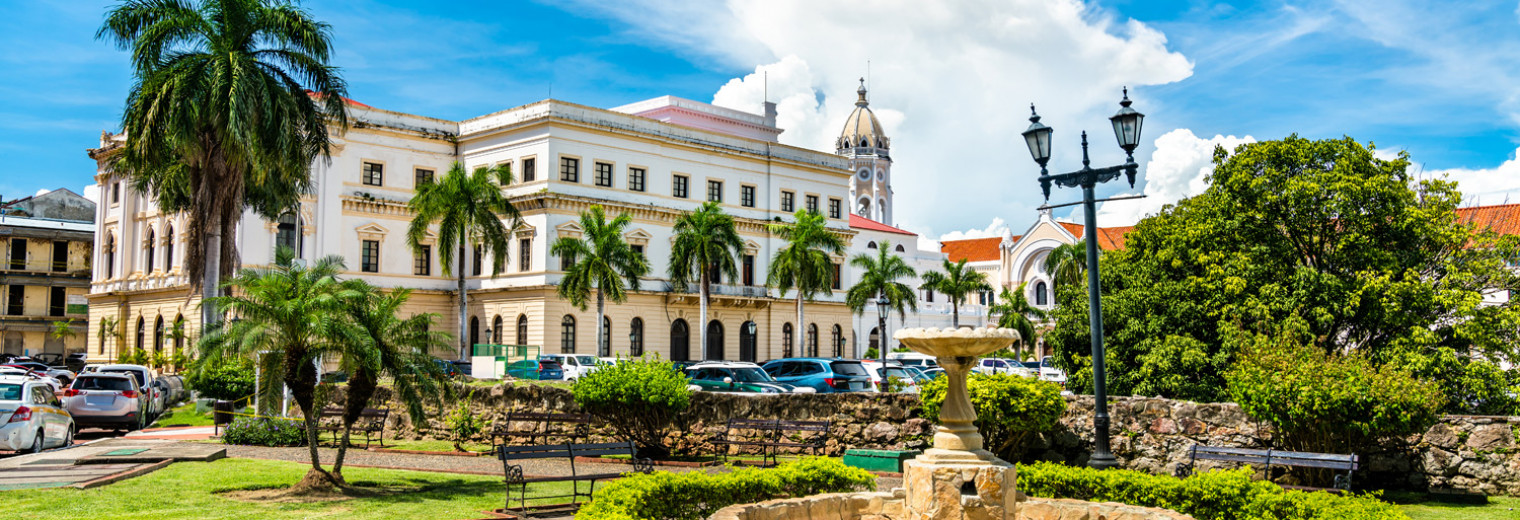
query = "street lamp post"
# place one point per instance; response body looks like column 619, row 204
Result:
column 881, row 316
column 1126, row 125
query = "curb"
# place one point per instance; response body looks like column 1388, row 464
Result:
column 134, row 472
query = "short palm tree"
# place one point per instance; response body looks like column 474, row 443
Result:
column 287, row 317
column 110, row 327
column 956, row 282
column 1067, row 263
column 603, row 261
column 1015, row 312
column 706, row 242
column 221, row 116
column 804, row 264
column 386, row 345
column 879, row 277
column 466, row 207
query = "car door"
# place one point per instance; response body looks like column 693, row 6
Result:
column 44, row 415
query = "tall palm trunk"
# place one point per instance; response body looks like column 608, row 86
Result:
column 801, row 329
column 702, row 312
column 955, row 313
column 602, row 348
column 211, row 274
column 464, row 337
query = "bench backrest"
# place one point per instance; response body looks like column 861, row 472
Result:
column 572, row 418
column 803, row 426
column 367, row 413
column 565, row 451
column 752, row 424
column 1277, row 457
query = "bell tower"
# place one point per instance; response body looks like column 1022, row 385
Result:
column 867, row 148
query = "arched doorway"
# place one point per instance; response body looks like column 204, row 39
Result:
column 680, row 341
column 496, row 332
column 747, row 337
column 567, row 334
column 787, row 335
column 636, row 338
column 812, row 340
column 606, row 349
column 522, row 329
column 474, row 330
column 875, row 339
column 838, row 341
column 158, row 335
column 714, row 340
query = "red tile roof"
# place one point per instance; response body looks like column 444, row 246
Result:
column 972, row 250
column 345, row 100
column 1503, row 219
column 859, row 222
column 1109, row 238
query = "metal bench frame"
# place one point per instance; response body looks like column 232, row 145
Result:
column 514, row 473
column 770, row 437
column 1268, row 458
column 502, row 432
column 371, row 422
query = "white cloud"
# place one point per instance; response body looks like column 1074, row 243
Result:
column 997, row 228
column 91, row 192
column 1178, row 169
column 41, row 192
column 1499, row 185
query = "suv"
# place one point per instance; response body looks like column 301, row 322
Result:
column 145, row 378
column 823, row 375
column 536, row 369
column 574, row 365
column 910, row 378
column 738, row 377
column 1049, row 371
column 110, row 401
column 994, row 366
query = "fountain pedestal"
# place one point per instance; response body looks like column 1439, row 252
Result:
column 957, row 478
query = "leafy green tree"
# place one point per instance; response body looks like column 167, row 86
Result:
column 287, row 316
column 1067, row 263
column 467, row 207
column 1014, row 312
column 1374, row 261
column 879, row 277
column 638, row 398
column 603, row 261
column 956, row 283
column 221, row 117
column 706, row 242
column 804, row 264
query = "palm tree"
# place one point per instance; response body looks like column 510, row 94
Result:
column 221, row 115
column 1015, row 312
column 804, row 264
column 391, row 347
column 706, row 242
column 603, row 261
column 879, row 276
column 956, row 283
column 288, row 316
column 466, row 207
column 1067, row 263
column 110, row 327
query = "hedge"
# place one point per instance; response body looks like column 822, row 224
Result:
column 1008, row 408
column 260, row 431
column 638, row 398
column 1208, row 495
column 696, row 495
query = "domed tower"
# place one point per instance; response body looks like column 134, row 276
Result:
column 866, row 146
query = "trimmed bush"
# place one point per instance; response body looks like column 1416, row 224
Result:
column 1209, row 495
column 696, row 495
column 638, row 398
column 1008, row 408
column 223, row 379
column 259, row 431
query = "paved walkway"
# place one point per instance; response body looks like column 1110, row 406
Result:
column 181, row 433
column 89, row 463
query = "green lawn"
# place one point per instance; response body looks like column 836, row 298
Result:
column 430, row 445
column 1421, row 507
column 183, row 415
column 191, row 490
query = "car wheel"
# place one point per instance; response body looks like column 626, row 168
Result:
column 36, row 443
column 68, row 439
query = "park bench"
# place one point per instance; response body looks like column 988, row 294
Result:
column 515, row 478
column 1268, row 458
column 771, row 435
column 539, row 427
column 371, row 423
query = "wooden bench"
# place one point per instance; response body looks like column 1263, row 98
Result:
column 771, row 435
column 540, row 432
column 516, row 478
column 1268, row 458
column 371, row 423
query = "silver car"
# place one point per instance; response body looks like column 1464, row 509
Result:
column 109, row 401
column 144, row 377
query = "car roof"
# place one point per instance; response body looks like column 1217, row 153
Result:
column 704, row 364
column 114, row 375
column 825, row 359
column 13, row 379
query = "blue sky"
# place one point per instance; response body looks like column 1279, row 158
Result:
column 1439, row 80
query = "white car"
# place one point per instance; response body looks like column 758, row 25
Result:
column 145, row 378
column 31, row 417
column 994, row 366
column 1049, row 372
column 913, row 359
column 574, row 365
column 910, row 377
column 32, row 374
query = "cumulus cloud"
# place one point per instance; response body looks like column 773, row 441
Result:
column 1499, row 185
column 41, row 192
column 1178, row 169
column 91, row 192
column 997, row 228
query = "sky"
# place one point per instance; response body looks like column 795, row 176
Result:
column 951, row 81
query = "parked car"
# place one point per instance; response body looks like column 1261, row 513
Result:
column 75, row 361
column 144, row 377
column 63, row 375
column 913, row 359
column 464, row 367
column 1049, row 371
column 536, row 369
column 9, row 370
column 909, row 376
column 993, row 366
column 448, row 368
column 31, row 416
column 823, row 375
column 574, row 365
column 51, row 359
column 738, row 377
column 932, row 373
column 109, row 401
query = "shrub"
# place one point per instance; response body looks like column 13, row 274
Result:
column 260, row 431
column 1209, row 495
column 695, row 495
column 638, row 398
column 1008, row 408
column 463, row 425
column 223, row 379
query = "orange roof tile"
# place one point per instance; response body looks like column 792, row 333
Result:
column 972, row 250
column 1109, row 238
column 1503, row 219
column 859, row 222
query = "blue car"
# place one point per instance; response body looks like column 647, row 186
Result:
column 824, row 375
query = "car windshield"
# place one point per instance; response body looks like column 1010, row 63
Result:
column 897, row 373
column 587, row 361
column 116, row 384
column 135, row 375
column 848, row 368
column 751, row 375
column 10, row 392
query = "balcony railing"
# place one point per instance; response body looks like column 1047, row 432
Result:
column 718, row 289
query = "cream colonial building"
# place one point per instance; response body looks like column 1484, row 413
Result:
column 45, row 273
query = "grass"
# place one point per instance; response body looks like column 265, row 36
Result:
column 431, row 445
column 184, row 415
column 1424, row 507
column 193, row 490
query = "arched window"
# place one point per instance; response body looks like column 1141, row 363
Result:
column 875, row 339
column 567, row 334
column 606, row 348
column 522, row 329
column 148, row 257
column 747, row 337
column 871, row 245
column 900, row 249
column 496, row 332
column 474, row 330
column 140, row 326
column 787, row 336
column 158, row 334
column 169, row 249
column 1041, row 296
column 812, row 340
column 179, row 332
column 288, row 233
column 714, row 340
column 110, row 257
column 636, row 337
column 680, row 341
column 838, row 341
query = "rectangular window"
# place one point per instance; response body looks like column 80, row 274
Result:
column 747, row 196
column 569, row 169
column 18, row 253
column 715, row 191
column 749, row 269
column 812, row 203
column 530, row 169
column 16, row 300
column 636, row 179
column 115, row 193
column 788, row 201
column 604, row 174
column 837, row 278
column 525, row 255
column 566, row 262
column 374, row 174
column 476, row 271
column 424, row 177
column 56, row 300
column 835, row 206
column 61, row 256
column 638, row 250
column 369, row 262
column 422, row 263
column 678, row 185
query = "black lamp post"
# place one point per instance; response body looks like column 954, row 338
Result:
column 881, row 316
column 1127, row 125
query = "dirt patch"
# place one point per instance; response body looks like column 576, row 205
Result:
column 283, row 495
